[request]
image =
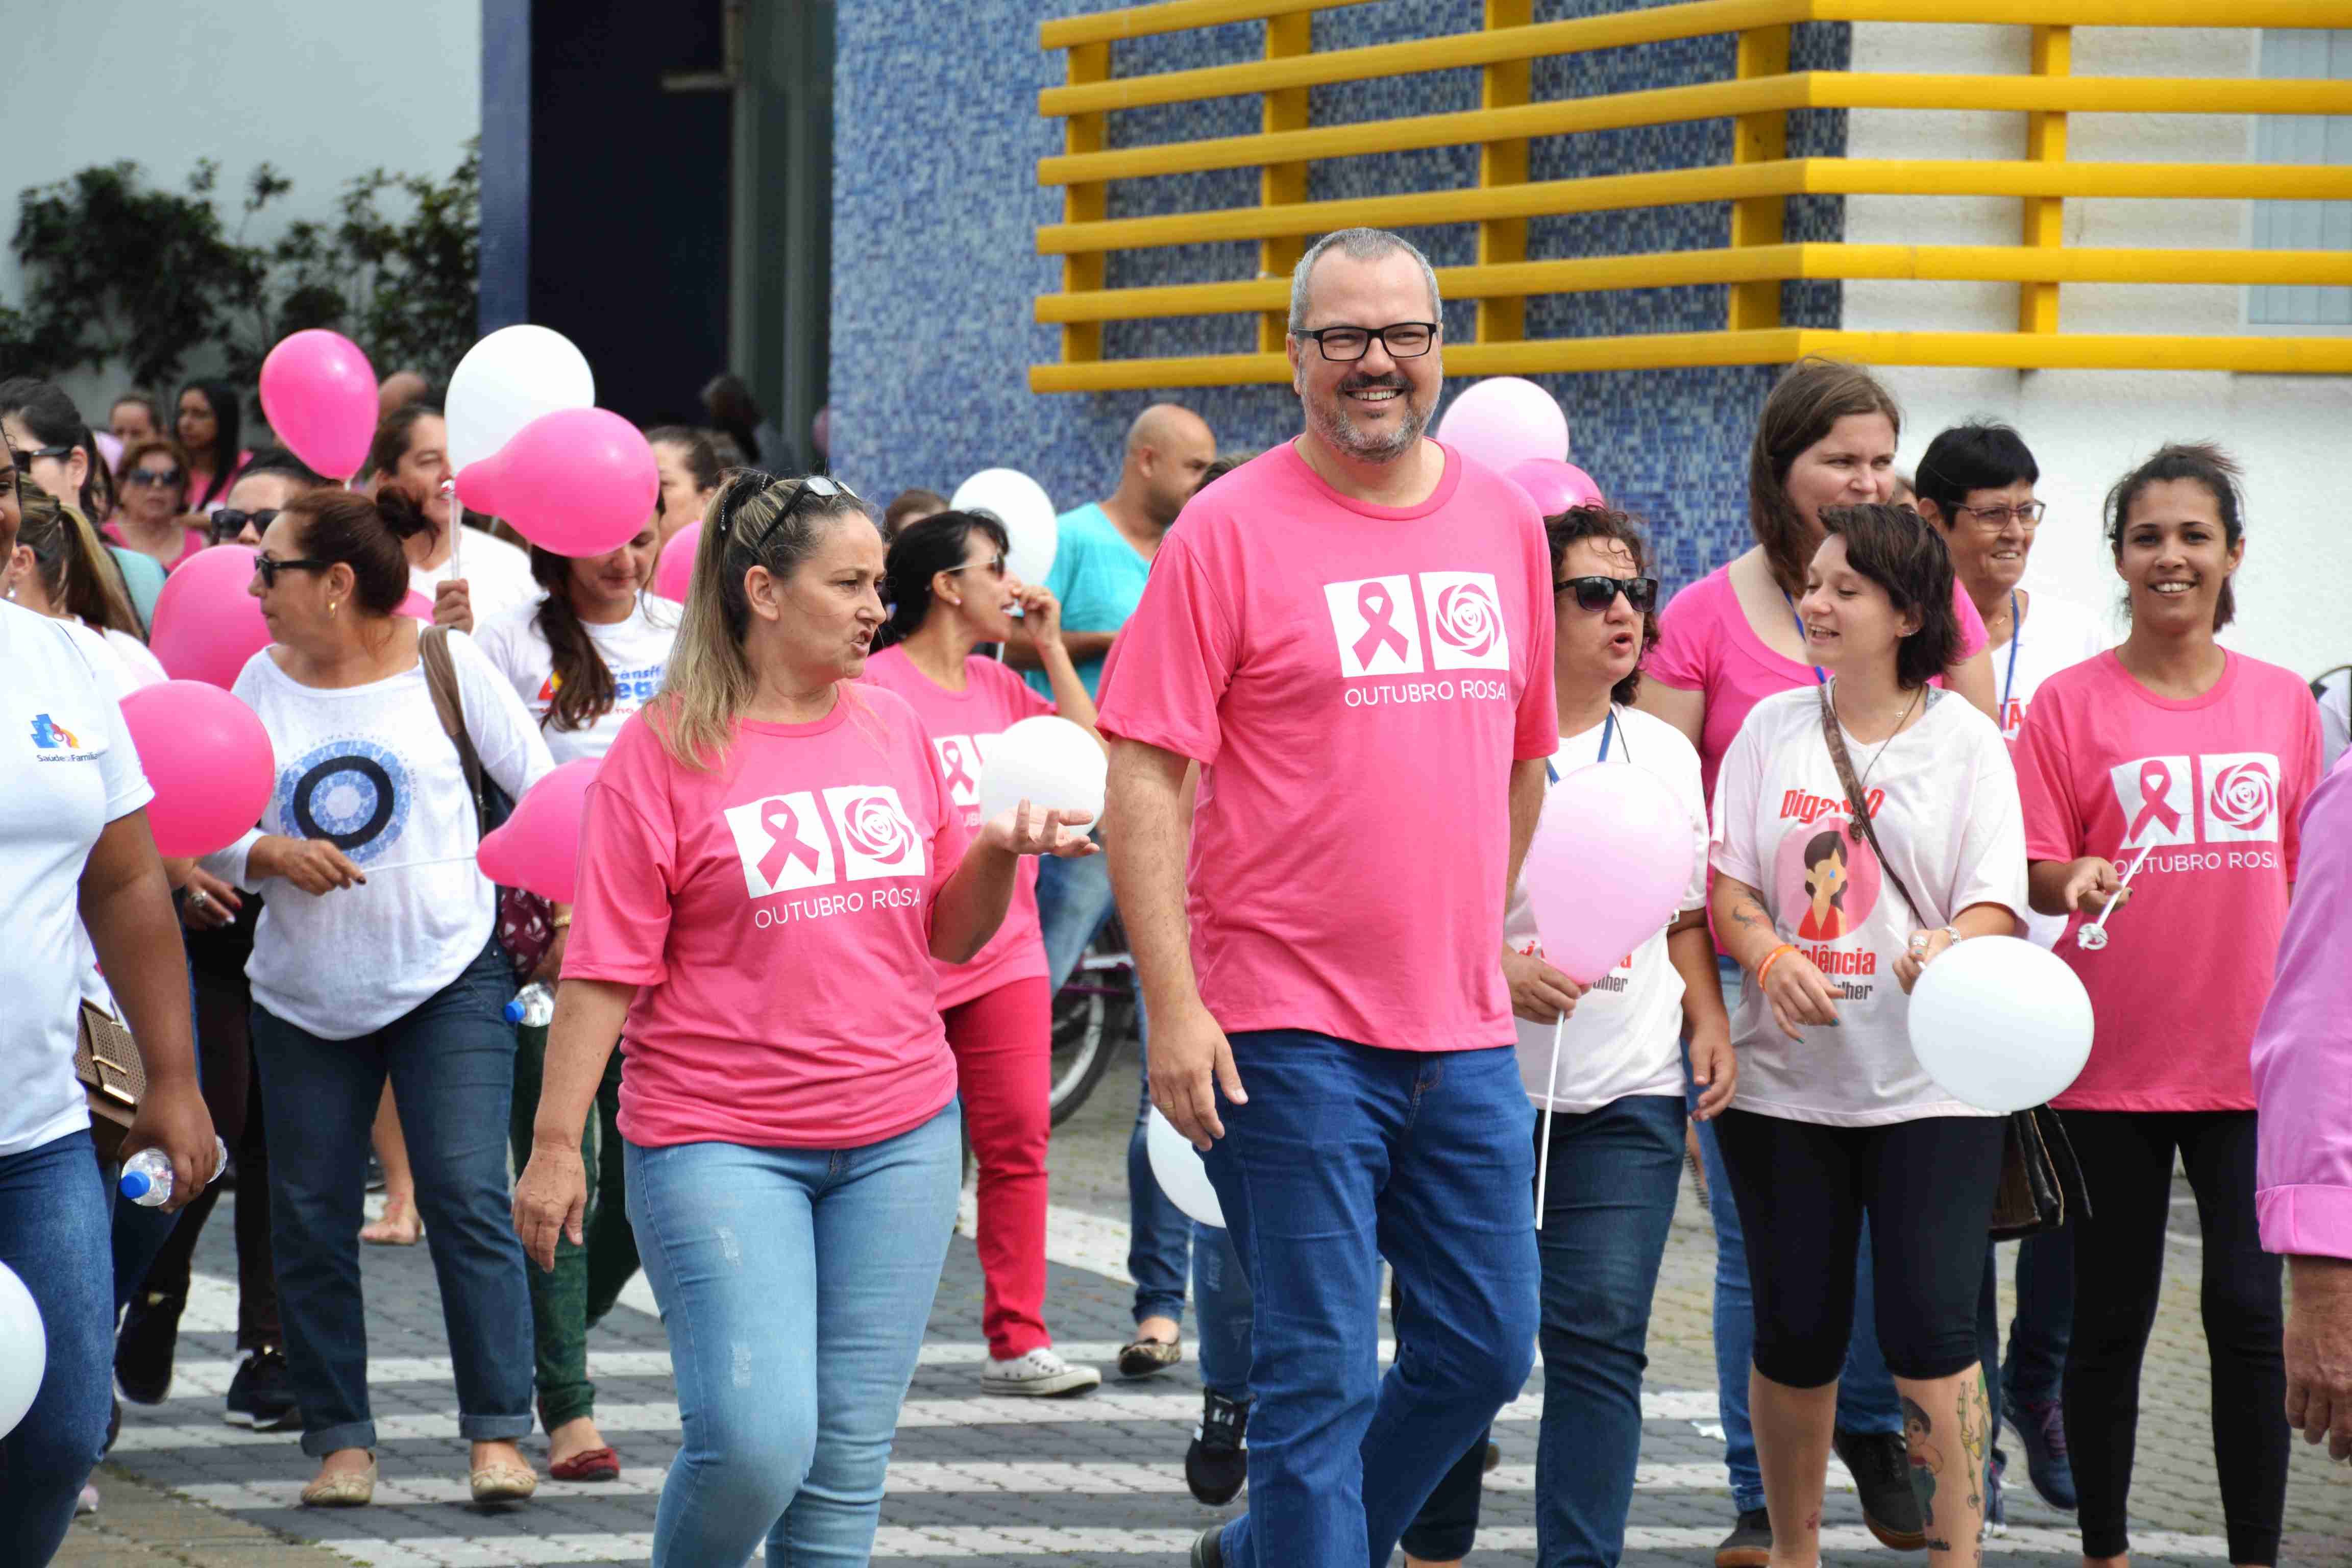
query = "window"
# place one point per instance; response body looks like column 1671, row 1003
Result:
column 2303, row 52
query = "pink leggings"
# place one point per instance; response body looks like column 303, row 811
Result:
column 1003, row 1041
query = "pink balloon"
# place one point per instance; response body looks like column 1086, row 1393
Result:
column 416, row 606
column 1554, row 486
column 1607, row 869
column 579, row 481
column 208, row 760
column 206, row 624
column 1503, row 421
column 318, row 392
column 538, row 848
column 675, row 571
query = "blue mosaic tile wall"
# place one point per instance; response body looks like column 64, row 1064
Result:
column 937, row 139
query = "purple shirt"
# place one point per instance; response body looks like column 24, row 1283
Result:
column 2303, row 1051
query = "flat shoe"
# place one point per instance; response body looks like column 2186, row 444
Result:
column 1144, row 1358
column 588, row 1465
column 342, row 1488
column 504, row 1483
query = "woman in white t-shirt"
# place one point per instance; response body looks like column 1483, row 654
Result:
column 583, row 659
column 1616, row 1127
column 1834, row 1117
column 375, row 956
column 75, row 852
column 470, row 576
column 59, row 568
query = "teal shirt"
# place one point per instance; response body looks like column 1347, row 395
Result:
column 143, row 574
column 1099, row 578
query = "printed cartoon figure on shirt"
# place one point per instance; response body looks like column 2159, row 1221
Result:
column 353, row 793
column 1828, row 879
column 1825, row 888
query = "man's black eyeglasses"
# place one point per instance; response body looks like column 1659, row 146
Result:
column 1595, row 593
column 269, row 568
column 1403, row 339
column 228, row 523
column 814, row 485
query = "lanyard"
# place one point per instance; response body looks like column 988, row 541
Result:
column 1607, row 732
column 2016, row 635
column 1820, row 676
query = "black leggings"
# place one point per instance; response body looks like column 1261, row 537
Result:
column 1802, row 1189
column 2119, row 1245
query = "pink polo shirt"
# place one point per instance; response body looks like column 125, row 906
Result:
column 774, row 914
column 192, row 540
column 1356, row 682
column 2303, row 1050
column 2216, row 783
column 963, row 727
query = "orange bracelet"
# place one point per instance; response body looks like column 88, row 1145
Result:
column 1771, row 958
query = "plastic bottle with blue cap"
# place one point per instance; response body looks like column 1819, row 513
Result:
column 147, row 1175
column 533, row 1007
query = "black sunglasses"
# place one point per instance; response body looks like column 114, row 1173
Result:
column 228, row 523
column 154, row 477
column 269, row 568
column 24, row 457
column 813, row 484
column 1595, row 593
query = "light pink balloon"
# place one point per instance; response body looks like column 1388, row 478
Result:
column 674, row 573
column 579, row 481
column 206, row 624
column 538, row 848
column 1503, row 421
column 416, row 606
column 318, row 394
column 1554, row 486
column 1607, row 867
column 208, row 760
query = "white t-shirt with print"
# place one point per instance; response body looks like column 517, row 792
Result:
column 1625, row 1036
column 2059, row 635
column 636, row 650
column 370, row 768
column 1943, row 799
column 67, row 770
column 498, row 575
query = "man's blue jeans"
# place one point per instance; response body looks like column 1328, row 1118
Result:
column 1866, row 1388
column 451, row 1061
column 53, row 1224
column 1343, row 1155
column 795, row 1285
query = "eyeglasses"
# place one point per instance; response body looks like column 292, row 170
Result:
column 269, row 568
column 25, row 457
column 1403, row 339
column 157, row 476
column 1598, row 592
column 994, row 567
column 228, row 523
column 812, row 485
column 1996, row 518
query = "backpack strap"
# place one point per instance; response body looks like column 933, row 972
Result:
column 449, row 702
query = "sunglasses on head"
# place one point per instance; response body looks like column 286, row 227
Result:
column 228, row 523
column 1595, row 593
column 153, row 477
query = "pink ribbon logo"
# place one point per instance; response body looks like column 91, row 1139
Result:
column 959, row 783
column 787, row 849
column 1373, row 604
column 2155, row 780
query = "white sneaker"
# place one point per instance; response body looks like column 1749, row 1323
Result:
column 1040, row 1374
column 88, row 1501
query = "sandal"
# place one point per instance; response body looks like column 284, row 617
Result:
column 1147, row 1358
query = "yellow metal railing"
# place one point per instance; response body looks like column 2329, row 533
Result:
column 1755, row 259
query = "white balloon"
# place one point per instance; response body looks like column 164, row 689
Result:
column 508, row 379
column 1020, row 503
column 1182, row 1175
column 23, row 1350
column 1048, row 761
column 2001, row 1023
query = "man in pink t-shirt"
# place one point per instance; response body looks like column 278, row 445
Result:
column 1353, row 636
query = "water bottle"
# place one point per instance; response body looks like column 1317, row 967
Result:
column 147, row 1175
column 533, row 1007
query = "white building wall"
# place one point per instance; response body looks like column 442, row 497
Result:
column 2294, row 434
column 325, row 90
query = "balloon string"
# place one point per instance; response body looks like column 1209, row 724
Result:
column 412, row 865
column 1551, row 1090
column 457, row 527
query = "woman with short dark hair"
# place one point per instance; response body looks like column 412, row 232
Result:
column 1834, row 1117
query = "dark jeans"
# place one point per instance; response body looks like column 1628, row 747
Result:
column 564, row 1300
column 1346, row 1154
column 53, row 1224
column 2039, row 1334
column 2119, row 1255
column 452, row 1063
column 1614, row 1173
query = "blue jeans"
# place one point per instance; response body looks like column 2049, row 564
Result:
column 1221, row 1292
column 451, row 1062
column 1073, row 900
column 53, row 1222
column 795, row 1285
column 1158, row 1234
column 1866, row 1388
column 1344, row 1155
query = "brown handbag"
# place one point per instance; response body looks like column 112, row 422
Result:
column 2041, row 1180
column 113, row 1078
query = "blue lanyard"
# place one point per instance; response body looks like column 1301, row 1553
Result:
column 1608, row 732
column 2016, row 635
column 1820, row 676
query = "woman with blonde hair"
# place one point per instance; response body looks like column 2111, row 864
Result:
column 771, row 862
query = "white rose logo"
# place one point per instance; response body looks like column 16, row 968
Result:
column 1467, row 618
column 873, row 828
column 2243, row 798
column 876, row 840
column 1465, row 621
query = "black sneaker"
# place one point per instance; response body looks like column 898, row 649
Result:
column 1218, row 1461
column 1881, row 1465
column 1209, row 1548
column 144, row 1347
column 261, row 1394
column 2042, row 1427
column 1749, row 1544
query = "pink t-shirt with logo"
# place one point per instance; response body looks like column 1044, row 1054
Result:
column 1356, row 682
column 774, row 914
column 963, row 727
column 2217, row 784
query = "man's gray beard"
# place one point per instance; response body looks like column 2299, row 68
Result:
column 1341, row 432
